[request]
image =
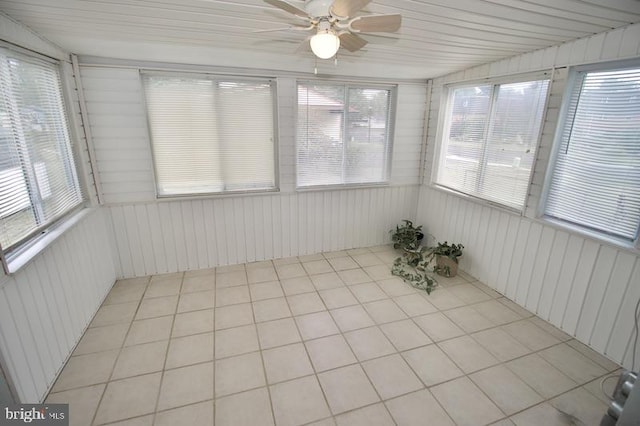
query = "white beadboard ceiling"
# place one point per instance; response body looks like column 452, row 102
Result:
column 437, row 36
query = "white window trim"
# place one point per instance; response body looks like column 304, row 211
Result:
column 214, row 76
column 633, row 246
column 443, row 114
column 23, row 253
column 391, row 128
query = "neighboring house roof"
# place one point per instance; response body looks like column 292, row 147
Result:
column 310, row 97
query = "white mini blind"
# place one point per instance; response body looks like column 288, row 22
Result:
column 490, row 138
column 38, row 181
column 210, row 135
column 342, row 134
column 596, row 177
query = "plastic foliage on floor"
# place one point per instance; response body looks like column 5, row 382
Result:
column 414, row 268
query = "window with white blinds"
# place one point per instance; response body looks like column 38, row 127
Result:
column 595, row 182
column 343, row 134
column 210, row 134
column 489, row 140
column 38, row 181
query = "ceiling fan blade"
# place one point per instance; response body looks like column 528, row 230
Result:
column 352, row 42
column 346, row 8
column 290, row 27
column 287, row 7
column 376, row 23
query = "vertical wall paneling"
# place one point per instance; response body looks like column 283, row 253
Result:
column 184, row 235
column 46, row 306
column 587, row 288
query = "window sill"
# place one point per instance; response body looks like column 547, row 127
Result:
column 342, row 187
column 23, row 256
column 476, row 200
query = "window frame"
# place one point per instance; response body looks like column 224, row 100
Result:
column 214, row 77
column 443, row 124
column 390, row 134
column 573, row 78
column 17, row 255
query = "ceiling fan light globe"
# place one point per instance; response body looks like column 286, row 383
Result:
column 325, row 45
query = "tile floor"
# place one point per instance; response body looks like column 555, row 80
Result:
column 327, row 339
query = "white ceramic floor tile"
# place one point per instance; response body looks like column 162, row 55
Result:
column 245, row 409
column 114, row 314
column 468, row 293
column 572, row 363
column 330, row 352
column 186, row 385
column 465, row 403
column 193, row 323
column 468, row 354
column 100, row 339
column 443, row 299
column 354, row 276
column 368, row 292
column 373, row 415
column 85, row 370
column 196, row 301
column 157, row 307
column 391, row 376
column 468, row 319
column 239, row 373
column 299, row 285
column 231, row 279
column 496, row 312
column 83, row 403
column 326, row 281
column 582, row 405
column 266, row 290
column 169, row 287
column 500, row 344
column 290, row 271
column 343, row 263
column 261, row 275
column 505, row 389
column 130, row 397
column 236, row 341
column 200, row 414
column 545, row 379
column 306, row 303
column 271, row 309
column 198, row 283
column 286, row 362
column 351, row 318
column 530, row 335
column 316, row 325
column 432, row 365
column 415, row 306
column 368, row 343
column 438, row 327
column 233, row 316
column 140, row 359
column 232, row 295
column 149, row 330
column 277, row 333
column 543, row 414
column 317, row 267
column 190, row 350
column 338, row 298
column 298, row 402
column 394, row 286
column 347, row 388
column 415, row 408
column 383, row 311
column 405, row 335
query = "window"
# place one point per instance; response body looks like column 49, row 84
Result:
column 595, row 180
column 489, row 140
column 343, row 134
column 38, row 181
column 209, row 134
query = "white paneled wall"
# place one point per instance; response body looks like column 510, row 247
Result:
column 165, row 236
column 587, row 288
column 174, row 236
column 46, row 306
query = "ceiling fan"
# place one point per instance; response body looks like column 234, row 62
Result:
column 335, row 24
